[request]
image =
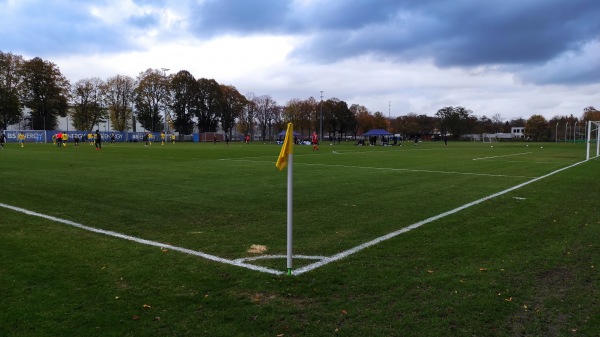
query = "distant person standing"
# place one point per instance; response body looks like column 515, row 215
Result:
column 76, row 140
column 315, row 141
column 227, row 139
column 173, row 139
column 112, row 138
column 146, row 140
column 65, row 137
column 98, row 141
column 215, row 139
column 162, row 138
column 21, row 139
column 2, row 140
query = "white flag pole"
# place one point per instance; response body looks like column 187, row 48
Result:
column 289, row 212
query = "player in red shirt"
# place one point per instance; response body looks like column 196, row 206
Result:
column 315, row 141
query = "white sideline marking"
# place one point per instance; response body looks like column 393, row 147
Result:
column 322, row 260
column 145, row 242
column 506, row 155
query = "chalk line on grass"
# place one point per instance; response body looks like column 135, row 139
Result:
column 321, row 260
column 506, row 155
column 388, row 236
column 237, row 263
column 391, row 169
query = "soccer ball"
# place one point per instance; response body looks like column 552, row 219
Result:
column 491, row 145
column 541, row 147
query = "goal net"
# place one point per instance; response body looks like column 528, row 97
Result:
column 489, row 138
column 593, row 134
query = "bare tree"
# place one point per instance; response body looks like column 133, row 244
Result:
column 265, row 114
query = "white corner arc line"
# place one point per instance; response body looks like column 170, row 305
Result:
column 145, row 242
column 388, row 236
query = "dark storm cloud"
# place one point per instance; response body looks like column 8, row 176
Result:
column 463, row 33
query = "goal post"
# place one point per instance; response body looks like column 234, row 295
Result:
column 593, row 134
column 489, row 138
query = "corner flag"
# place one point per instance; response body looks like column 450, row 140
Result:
column 287, row 148
column 285, row 156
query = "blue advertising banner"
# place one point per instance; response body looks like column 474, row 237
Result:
column 48, row 136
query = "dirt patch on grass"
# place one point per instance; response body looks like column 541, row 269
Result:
column 257, row 249
column 537, row 316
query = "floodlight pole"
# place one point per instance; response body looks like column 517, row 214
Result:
column 574, row 128
column 164, row 70
column 556, row 133
column 566, row 128
column 389, row 114
column 321, row 121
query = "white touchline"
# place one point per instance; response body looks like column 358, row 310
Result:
column 380, row 239
column 322, row 260
column 145, row 242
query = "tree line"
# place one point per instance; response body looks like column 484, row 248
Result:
column 182, row 103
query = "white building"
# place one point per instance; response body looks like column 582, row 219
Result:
column 517, row 131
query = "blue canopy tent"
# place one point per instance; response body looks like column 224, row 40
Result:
column 376, row 132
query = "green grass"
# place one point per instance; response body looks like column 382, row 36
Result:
column 521, row 264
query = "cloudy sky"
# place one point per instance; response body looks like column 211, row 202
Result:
column 515, row 58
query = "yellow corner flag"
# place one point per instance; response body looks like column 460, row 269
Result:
column 287, row 148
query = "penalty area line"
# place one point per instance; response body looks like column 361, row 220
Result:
column 237, row 263
column 507, row 155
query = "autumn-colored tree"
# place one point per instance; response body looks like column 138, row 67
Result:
column 364, row 119
column 10, row 80
column 119, row 98
column 590, row 114
column 88, row 103
column 536, row 128
column 45, row 92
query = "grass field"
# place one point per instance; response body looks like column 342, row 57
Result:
column 505, row 241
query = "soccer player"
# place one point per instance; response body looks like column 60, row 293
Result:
column 2, row 140
column 65, row 137
column 21, row 139
column 112, row 138
column 98, row 141
column 59, row 139
column 173, row 139
column 150, row 138
column 146, row 139
column 162, row 138
column 315, row 141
